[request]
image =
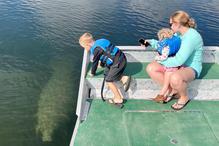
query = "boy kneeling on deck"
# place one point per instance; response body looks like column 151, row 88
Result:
column 112, row 59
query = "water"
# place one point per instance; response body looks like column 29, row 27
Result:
column 41, row 60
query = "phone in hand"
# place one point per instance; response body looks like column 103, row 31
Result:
column 142, row 41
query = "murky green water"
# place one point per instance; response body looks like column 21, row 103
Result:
column 40, row 59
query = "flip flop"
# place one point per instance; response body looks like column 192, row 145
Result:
column 170, row 98
column 126, row 85
column 179, row 105
column 112, row 102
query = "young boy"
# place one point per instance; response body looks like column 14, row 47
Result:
column 112, row 59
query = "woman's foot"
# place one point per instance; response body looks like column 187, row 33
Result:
column 171, row 94
column 179, row 105
column 171, row 97
column 160, row 98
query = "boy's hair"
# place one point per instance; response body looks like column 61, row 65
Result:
column 161, row 33
column 86, row 38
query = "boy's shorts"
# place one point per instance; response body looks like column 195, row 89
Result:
column 115, row 72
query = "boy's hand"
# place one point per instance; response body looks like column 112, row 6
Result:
column 90, row 74
column 100, row 65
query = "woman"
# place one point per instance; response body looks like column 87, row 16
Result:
column 189, row 57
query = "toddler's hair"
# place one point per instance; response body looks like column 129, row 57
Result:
column 163, row 32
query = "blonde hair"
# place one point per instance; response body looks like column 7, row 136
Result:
column 183, row 18
column 86, row 38
column 164, row 32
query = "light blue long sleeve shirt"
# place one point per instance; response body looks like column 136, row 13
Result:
column 189, row 54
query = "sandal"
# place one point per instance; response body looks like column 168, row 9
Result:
column 171, row 97
column 126, row 85
column 179, row 106
column 160, row 98
column 112, row 102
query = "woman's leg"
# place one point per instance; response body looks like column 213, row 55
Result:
column 152, row 70
column 179, row 81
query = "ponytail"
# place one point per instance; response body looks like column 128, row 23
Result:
column 191, row 23
column 183, row 18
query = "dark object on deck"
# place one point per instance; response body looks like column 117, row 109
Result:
column 102, row 87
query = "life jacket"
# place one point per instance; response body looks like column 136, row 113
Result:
column 174, row 44
column 109, row 51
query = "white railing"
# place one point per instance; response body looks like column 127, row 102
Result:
column 82, row 95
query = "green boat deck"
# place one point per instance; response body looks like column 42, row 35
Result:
column 145, row 123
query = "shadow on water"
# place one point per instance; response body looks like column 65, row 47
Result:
column 55, row 102
column 55, row 116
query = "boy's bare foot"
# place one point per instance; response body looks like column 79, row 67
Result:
column 116, row 102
